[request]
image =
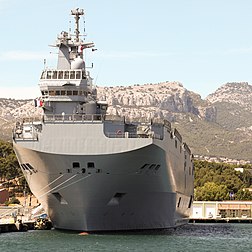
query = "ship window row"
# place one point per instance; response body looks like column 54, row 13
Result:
column 63, row 74
column 89, row 165
column 64, row 92
column 150, row 167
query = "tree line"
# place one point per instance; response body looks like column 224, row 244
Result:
column 10, row 172
column 220, row 181
column 212, row 181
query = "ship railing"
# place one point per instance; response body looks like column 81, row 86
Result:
column 132, row 135
column 25, row 133
column 73, row 118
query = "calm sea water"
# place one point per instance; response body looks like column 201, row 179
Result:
column 192, row 237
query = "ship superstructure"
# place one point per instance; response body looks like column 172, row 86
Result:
column 92, row 171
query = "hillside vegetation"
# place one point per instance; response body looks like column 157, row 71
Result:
column 219, row 181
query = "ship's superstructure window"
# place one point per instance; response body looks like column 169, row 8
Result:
column 58, row 92
column 43, row 75
column 49, row 75
column 83, row 170
column 76, row 165
column 190, row 202
column 51, row 92
column 66, row 75
column 179, row 202
column 90, row 165
column 69, row 92
column 78, row 74
column 55, row 74
column 60, row 75
column 72, row 75
column 176, row 143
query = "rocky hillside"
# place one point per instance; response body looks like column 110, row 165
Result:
column 165, row 100
column 220, row 125
column 10, row 110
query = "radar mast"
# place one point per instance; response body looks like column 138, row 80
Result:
column 77, row 13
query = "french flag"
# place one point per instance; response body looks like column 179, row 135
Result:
column 38, row 103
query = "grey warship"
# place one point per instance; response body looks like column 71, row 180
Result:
column 96, row 172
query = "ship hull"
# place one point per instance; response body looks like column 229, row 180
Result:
column 121, row 191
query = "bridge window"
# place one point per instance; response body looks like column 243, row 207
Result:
column 54, row 75
column 72, row 75
column 57, row 92
column 63, row 92
column 43, row 75
column 49, row 75
column 69, row 92
column 60, row 75
column 78, row 75
column 75, row 92
column 66, row 75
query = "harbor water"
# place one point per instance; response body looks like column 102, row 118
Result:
column 192, row 237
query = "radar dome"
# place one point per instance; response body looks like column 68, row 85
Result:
column 77, row 63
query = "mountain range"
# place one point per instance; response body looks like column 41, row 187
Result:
column 218, row 126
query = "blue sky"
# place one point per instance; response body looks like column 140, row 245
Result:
column 201, row 43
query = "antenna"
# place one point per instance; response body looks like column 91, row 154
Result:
column 77, row 13
column 84, row 27
column 44, row 64
column 70, row 24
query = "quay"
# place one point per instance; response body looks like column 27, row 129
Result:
column 229, row 211
column 16, row 218
column 220, row 220
column 16, row 227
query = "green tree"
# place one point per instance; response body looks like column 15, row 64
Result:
column 9, row 167
column 220, row 174
column 243, row 194
column 211, row 191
